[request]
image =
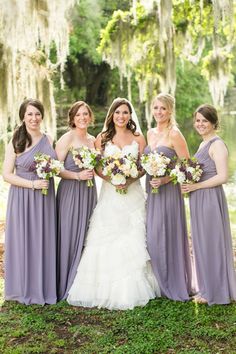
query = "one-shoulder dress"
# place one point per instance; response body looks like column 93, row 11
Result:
column 75, row 203
column 211, row 235
column 30, row 239
column 167, row 237
column 114, row 271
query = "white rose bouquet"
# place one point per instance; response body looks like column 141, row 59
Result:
column 119, row 168
column 156, row 165
column 86, row 158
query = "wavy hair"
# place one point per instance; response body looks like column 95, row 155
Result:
column 110, row 130
column 21, row 138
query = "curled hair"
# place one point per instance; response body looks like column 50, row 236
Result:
column 110, row 130
column 74, row 109
column 169, row 102
column 210, row 113
column 21, row 138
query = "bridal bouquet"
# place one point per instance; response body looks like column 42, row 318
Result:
column 86, row 158
column 119, row 168
column 156, row 165
column 186, row 171
column 46, row 167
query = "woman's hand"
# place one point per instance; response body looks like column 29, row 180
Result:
column 40, row 184
column 156, row 182
column 85, row 175
column 122, row 186
column 187, row 188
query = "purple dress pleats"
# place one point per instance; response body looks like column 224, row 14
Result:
column 30, row 239
column 75, row 203
column 167, row 238
column 212, row 242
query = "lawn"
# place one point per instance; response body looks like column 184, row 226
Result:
column 162, row 326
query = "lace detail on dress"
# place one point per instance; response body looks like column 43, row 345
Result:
column 132, row 149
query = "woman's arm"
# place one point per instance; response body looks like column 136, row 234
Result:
column 10, row 177
column 98, row 145
column 219, row 154
column 179, row 143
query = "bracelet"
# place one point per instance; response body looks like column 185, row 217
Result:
column 33, row 185
column 78, row 177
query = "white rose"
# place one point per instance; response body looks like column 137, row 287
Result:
column 134, row 172
column 181, row 177
column 118, row 179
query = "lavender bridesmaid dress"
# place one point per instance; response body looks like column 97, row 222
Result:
column 212, row 243
column 75, row 203
column 30, row 239
column 167, row 238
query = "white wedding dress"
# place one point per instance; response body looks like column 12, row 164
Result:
column 114, row 271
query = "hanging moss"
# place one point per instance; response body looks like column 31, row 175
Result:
column 27, row 31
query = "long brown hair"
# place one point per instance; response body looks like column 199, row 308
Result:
column 21, row 138
column 74, row 109
column 110, row 130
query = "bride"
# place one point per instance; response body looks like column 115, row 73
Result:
column 115, row 271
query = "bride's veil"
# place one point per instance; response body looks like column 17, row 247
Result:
column 133, row 115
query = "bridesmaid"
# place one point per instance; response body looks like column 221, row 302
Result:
column 75, row 201
column 212, row 243
column 167, row 238
column 30, row 239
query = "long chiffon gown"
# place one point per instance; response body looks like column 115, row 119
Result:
column 167, row 238
column 114, row 271
column 212, row 243
column 30, row 239
column 75, row 203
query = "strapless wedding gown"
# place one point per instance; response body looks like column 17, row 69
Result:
column 115, row 271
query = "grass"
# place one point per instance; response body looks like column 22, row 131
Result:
column 162, row 326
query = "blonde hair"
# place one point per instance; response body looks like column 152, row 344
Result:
column 169, row 102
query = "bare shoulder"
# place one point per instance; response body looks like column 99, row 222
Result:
column 150, row 132
column 140, row 139
column 50, row 139
column 98, row 141
column 91, row 137
column 219, row 147
column 65, row 139
column 175, row 133
column 10, row 148
column 141, row 142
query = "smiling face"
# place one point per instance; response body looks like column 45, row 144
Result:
column 203, row 126
column 121, row 116
column 82, row 118
column 32, row 118
column 160, row 112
